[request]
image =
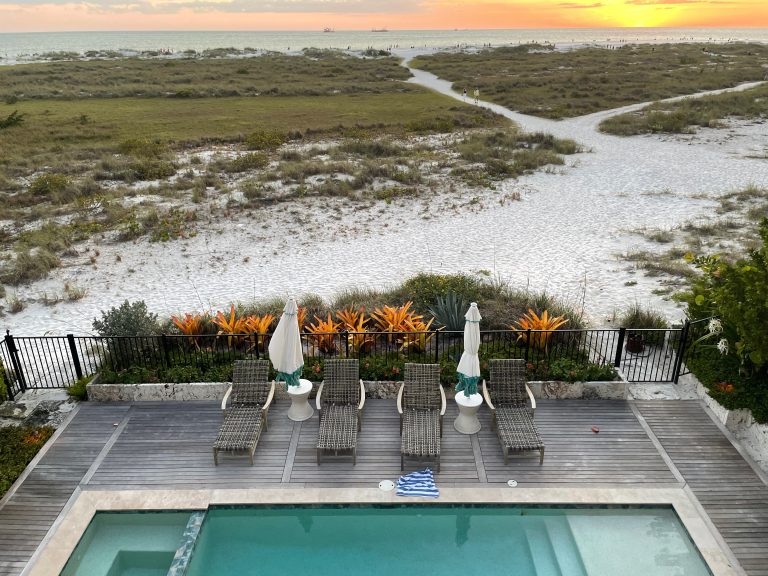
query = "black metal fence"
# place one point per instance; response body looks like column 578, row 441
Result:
column 643, row 355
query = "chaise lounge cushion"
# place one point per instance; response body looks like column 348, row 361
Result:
column 241, row 429
column 516, row 428
column 338, row 427
column 421, row 433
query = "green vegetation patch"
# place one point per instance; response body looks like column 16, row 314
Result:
column 325, row 73
column 687, row 115
column 540, row 81
column 18, row 445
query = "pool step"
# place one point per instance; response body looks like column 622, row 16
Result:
column 566, row 551
column 542, row 551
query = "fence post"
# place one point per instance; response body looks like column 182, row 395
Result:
column 75, row 357
column 437, row 346
column 681, row 347
column 619, row 347
column 256, row 345
column 345, row 335
column 166, row 353
column 14, row 353
column 527, row 343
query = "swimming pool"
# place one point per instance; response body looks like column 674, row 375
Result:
column 388, row 540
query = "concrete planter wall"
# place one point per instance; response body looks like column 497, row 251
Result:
column 373, row 389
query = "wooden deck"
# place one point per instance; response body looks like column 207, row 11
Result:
column 168, row 445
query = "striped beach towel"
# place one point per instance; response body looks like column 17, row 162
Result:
column 419, row 483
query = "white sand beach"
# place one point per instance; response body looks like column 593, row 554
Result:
column 563, row 236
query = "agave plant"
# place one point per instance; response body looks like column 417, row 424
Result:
column 230, row 325
column 323, row 334
column 449, row 311
column 191, row 325
column 532, row 321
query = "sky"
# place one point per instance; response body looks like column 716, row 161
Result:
column 60, row 15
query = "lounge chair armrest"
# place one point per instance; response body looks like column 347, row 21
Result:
column 400, row 399
column 318, row 403
column 530, row 395
column 442, row 401
column 226, row 398
column 362, row 395
column 270, row 397
column 487, row 396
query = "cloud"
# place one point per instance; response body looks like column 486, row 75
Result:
column 661, row 2
column 570, row 5
column 238, row 6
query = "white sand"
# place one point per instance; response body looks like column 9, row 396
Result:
column 562, row 237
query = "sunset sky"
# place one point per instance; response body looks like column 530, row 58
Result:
column 51, row 15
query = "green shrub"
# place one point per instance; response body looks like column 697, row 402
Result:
column 18, row 445
column 129, row 319
column 449, row 310
column 3, row 386
column 738, row 295
column 724, row 381
column 52, row 186
column 13, row 119
column 78, row 390
column 252, row 161
column 265, row 140
column 143, row 148
column 29, row 266
column 635, row 316
column 424, row 288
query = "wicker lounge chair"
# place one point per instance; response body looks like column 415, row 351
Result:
column 421, row 404
column 340, row 400
column 511, row 417
column 249, row 398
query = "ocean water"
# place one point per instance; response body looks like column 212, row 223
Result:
column 16, row 47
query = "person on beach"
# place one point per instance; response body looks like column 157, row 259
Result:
column 476, row 94
column 465, row 94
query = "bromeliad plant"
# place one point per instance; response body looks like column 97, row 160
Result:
column 191, row 325
column 323, row 334
column 355, row 321
column 258, row 326
column 398, row 322
column 532, row 321
column 231, row 325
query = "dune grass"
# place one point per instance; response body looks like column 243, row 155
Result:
column 687, row 115
column 325, row 73
column 539, row 81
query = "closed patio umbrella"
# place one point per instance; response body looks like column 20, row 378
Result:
column 285, row 346
column 469, row 365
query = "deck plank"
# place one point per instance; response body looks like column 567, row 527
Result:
column 732, row 494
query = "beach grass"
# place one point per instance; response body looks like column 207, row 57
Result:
column 55, row 132
column 325, row 73
column 689, row 114
column 540, row 81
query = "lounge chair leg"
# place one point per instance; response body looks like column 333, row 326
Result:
column 402, row 464
column 438, row 464
column 251, row 457
column 541, row 457
column 215, row 457
column 318, row 457
column 354, row 456
column 506, row 455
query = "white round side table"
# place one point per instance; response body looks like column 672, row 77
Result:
column 467, row 422
column 300, row 409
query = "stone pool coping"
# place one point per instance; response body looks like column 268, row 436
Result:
column 59, row 544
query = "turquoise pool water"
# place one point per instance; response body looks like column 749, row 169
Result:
column 128, row 544
column 395, row 540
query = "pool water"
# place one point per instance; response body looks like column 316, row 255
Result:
column 395, row 540
column 128, row 544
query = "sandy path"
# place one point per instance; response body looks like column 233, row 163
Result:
column 563, row 236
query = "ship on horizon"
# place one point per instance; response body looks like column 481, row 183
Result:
column 379, row 30
column 328, row 30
